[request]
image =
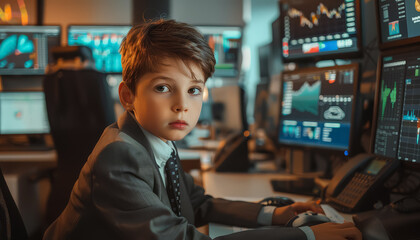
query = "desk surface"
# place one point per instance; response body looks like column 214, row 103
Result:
column 249, row 187
column 245, row 186
column 21, row 160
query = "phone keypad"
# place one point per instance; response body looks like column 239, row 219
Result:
column 355, row 189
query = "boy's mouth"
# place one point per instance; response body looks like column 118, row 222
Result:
column 178, row 124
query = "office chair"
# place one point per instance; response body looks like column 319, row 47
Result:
column 11, row 222
column 79, row 107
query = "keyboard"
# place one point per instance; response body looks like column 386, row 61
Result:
column 332, row 214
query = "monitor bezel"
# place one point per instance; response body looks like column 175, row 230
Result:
column 96, row 25
column 396, row 43
column 13, row 27
column 28, row 134
column 326, row 56
column 383, row 54
column 353, row 128
column 271, row 133
column 241, row 29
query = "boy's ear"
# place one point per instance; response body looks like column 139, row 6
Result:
column 126, row 96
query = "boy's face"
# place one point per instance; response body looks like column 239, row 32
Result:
column 168, row 103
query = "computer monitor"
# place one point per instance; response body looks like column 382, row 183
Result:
column 396, row 125
column 398, row 22
column 228, row 109
column 264, row 60
column 23, row 113
column 273, row 107
column 318, row 108
column 24, row 50
column 320, row 29
column 226, row 42
column 276, row 58
column 104, row 41
column 261, row 105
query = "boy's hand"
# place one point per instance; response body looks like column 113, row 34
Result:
column 283, row 214
column 312, row 206
column 336, row 231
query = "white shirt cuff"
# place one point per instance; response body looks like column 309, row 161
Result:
column 308, row 232
column 265, row 216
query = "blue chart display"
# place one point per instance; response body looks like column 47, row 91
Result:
column 105, row 43
column 17, row 51
column 304, row 100
column 317, row 107
column 25, row 49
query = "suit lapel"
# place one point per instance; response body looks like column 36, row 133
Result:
column 128, row 125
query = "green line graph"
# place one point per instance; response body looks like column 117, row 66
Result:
column 385, row 93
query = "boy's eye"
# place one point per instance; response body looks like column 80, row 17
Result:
column 194, row 91
column 162, row 89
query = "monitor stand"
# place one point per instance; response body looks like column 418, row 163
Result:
column 307, row 161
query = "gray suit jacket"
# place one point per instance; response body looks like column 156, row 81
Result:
column 120, row 195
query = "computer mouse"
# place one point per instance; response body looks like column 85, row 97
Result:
column 307, row 219
column 276, row 201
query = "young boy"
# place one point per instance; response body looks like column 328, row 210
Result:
column 132, row 185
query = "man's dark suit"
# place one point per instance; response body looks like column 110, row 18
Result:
column 120, row 195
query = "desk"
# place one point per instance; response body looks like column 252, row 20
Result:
column 20, row 170
column 195, row 159
column 246, row 187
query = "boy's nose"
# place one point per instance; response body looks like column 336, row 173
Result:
column 180, row 105
column 181, row 109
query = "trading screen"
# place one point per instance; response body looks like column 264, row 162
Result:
column 317, row 107
column 315, row 28
column 399, row 19
column 23, row 113
column 24, row 50
column 398, row 123
column 225, row 41
column 104, row 41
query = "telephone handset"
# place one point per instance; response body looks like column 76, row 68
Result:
column 359, row 183
column 232, row 154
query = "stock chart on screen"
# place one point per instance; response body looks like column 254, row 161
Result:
column 104, row 41
column 398, row 108
column 24, row 50
column 317, row 107
column 316, row 28
column 226, row 43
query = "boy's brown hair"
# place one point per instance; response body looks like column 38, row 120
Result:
column 147, row 44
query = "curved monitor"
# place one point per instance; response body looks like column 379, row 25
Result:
column 396, row 125
column 104, row 41
column 24, row 50
column 320, row 29
column 317, row 108
column 398, row 22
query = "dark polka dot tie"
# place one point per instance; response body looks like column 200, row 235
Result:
column 172, row 183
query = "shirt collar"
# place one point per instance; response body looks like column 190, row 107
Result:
column 162, row 150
